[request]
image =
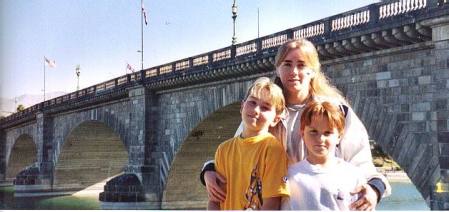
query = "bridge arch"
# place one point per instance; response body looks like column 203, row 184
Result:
column 407, row 143
column 91, row 153
column 183, row 189
column 400, row 111
column 22, row 154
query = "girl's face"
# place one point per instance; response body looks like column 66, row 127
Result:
column 294, row 74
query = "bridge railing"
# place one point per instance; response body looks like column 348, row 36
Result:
column 371, row 16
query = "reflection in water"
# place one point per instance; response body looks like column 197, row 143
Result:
column 8, row 201
column 404, row 197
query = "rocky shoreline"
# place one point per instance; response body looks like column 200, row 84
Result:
column 395, row 175
column 387, row 166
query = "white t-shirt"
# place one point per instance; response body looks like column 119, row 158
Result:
column 316, row 188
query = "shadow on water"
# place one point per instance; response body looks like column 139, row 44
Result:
column 8, row 201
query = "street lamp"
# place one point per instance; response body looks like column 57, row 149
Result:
column 234, row 16
column 77, row 71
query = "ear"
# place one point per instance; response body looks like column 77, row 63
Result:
column 241, row 106
column 301, row 132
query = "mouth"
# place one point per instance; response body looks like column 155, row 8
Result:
column 294, row 80
column 253, row 117
column 320, row 147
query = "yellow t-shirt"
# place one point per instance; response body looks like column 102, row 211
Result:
column 255, row 168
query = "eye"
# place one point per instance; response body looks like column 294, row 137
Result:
column 300, row 65
column 313, row 132
column 251, row 102
column 287, row 64
column 265, row 108
column 328, row 133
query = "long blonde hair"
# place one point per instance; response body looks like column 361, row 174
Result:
column 319, row 85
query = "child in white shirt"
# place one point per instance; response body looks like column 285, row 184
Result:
column 322, row 181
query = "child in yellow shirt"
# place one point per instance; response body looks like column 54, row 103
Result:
column 254, row 163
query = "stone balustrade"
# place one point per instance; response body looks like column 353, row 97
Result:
column 373, row 27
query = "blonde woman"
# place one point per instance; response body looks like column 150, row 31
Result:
column 299, row 75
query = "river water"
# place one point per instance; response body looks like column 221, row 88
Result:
column 404, row 197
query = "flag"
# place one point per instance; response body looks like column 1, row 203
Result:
column 50, row 63
column 129, row 67
column 144, row 15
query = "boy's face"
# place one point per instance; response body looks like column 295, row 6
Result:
column 320, row 140
column 258, row 115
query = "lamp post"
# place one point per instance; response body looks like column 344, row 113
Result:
column 234, row 16
column 141, row 54
column 77, row 71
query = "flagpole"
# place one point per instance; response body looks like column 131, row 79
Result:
column 44, row 79
column 141, row 29
column 257, row 22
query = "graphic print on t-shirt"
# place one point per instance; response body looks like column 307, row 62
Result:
column 253, row 194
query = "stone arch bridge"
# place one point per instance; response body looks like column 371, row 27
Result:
column 148, row 133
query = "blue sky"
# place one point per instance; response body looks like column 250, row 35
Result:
column 104, row 35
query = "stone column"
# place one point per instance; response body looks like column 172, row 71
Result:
column 439, row 198
column 39, row 177
column 155, row 171
column 2, row 155
column 135, row 187
column 44, row 132
column 135, row 137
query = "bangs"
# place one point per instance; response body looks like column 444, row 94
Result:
column 330, row 112
column 267, row 91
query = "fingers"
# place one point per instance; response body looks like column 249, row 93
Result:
column 221, row 178
column 355, row 205
column 367, row 199
column 215, row 196
column 217, row 193
column 358, row 189
column 214, row 191
column 362, row 205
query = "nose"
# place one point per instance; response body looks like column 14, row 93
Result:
column 257, row 109
column 322, row 138
column 295, row 71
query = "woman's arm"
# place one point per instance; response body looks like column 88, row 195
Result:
column 209, row 178
column 213, row 206
column 272, row 203
column 215, row 192
column 355, row 149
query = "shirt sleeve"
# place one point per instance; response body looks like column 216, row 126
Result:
column 219, row 160
column 208, row 166
column 274, row 176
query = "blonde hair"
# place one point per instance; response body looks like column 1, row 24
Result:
column 319, row 85
column 331, row 112
column 264, row 88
